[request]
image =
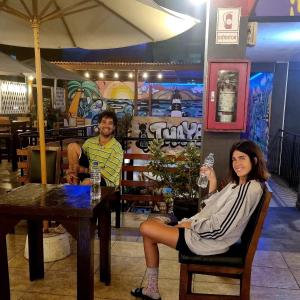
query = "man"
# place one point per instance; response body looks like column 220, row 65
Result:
column 103, row 148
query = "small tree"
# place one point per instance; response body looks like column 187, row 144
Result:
column 179, row 173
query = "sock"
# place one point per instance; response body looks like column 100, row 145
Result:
column 152, row 288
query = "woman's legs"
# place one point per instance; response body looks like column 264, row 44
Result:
column 154, row 232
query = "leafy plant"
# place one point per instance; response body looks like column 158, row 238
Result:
column 177, row 172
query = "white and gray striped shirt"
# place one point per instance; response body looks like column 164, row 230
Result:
column 222, row 221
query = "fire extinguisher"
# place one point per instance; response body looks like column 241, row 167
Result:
column 227, row 18
column 226, row 104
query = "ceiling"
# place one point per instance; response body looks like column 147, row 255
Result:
column 276, row 42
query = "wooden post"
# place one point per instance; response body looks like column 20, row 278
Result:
column 36, row 32
column 136, row 94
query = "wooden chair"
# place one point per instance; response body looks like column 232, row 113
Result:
column 5, row 138
column 134, row 187
column 236, row 263
column 31, row 168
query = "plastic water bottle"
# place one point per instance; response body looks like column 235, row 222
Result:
column 96, row 179
column 203, row 179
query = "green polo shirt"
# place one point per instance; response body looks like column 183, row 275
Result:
column 108, row 156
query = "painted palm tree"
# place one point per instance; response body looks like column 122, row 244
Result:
column 78, row 90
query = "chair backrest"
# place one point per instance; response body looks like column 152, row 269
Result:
column 251, row 234
column 53, row 160
column 134, row 185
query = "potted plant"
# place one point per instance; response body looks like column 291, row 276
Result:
column 177, row 174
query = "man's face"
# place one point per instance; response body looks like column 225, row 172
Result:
column 106, row 127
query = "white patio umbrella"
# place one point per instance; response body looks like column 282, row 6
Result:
column 91, row 24
column 52, row 71
column 12, row 67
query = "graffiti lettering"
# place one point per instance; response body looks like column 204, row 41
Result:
column 160, row 130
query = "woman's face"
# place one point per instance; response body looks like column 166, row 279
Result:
column 241, row 165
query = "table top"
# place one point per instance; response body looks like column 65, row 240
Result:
column 51, row 199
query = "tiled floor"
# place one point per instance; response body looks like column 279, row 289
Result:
column 275, row 272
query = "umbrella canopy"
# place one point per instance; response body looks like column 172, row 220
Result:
column 52, row 71
column 12, row 67
column 91, row 24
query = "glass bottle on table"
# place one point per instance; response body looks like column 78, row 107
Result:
column 95, row 174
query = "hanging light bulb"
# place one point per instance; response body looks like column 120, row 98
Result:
column 101, row 75
column 145, row 75
column 116, row 75
column 159, row 75
column 87, row 75
column 130, row 75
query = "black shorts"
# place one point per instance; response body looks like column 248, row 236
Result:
column 181, row 245
column 84, row 162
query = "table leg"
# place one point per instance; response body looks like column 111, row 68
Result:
column 118, row 212
column 85, row 260
column 104, row 233
column 4, row 282
column 35, row 247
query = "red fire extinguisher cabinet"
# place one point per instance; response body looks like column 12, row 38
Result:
column 227, row 95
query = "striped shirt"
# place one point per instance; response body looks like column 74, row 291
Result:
column 109, row 157
column 222, row 221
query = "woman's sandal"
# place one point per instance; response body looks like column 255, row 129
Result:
column 138, row 293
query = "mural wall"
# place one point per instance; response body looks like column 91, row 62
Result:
column 260, row 94
column 165, row 128
column 170, row 99
column 88, row 98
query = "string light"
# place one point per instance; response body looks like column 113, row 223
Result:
column 87, row 75
column 130, row 75
column 145, row 75
column 101, row 75
column 116, row 75
column 159, row 75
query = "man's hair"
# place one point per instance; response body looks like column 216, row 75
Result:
column 259, row 170
column 108, row 114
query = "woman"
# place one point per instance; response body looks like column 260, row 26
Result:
column 219, row 224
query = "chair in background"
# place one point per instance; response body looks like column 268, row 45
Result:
column 5, row 138
column 135, row 187
column 235, row 263
column 30, row 165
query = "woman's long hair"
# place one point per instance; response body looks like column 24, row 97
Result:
column 259, row 170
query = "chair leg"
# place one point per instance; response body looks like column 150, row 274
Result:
column 8, row 143
column 185, row 283
column 245, row 285
column 118, row 214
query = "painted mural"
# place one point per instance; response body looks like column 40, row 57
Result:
column 165, row 128
column 88, row 98
column 170, row 99
column 261, row 85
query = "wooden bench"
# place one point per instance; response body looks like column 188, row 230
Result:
column 235, row 263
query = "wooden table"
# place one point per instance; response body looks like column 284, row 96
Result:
column 69, row 205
